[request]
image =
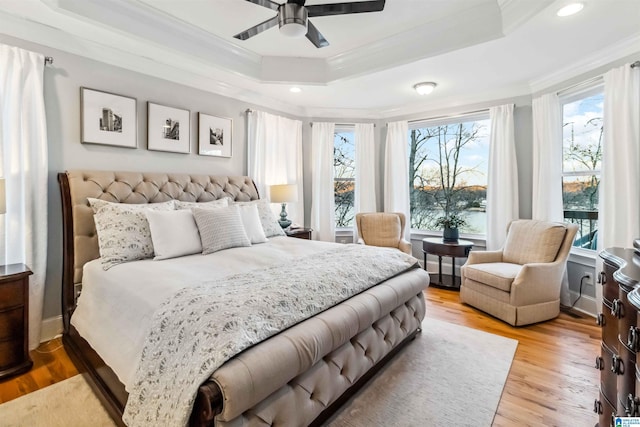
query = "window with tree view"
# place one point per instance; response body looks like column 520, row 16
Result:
column 448, row 163
column 344, row 175
column 582, row 130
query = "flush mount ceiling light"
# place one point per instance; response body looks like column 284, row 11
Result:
column 424, row 88
column 295, row 90
column 570, row 9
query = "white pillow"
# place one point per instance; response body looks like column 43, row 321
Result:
column 268, row 219
column 220, row 228
column 123, row 232
column 97, row 204
column 174, row 233
column 252, row 224
column 214, row 204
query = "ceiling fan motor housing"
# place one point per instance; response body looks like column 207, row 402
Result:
column 292, row 13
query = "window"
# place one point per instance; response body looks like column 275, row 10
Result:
column 344, row 175
column 582, row 120
column 448, row 161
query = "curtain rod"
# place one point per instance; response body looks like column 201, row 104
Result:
column 635, row 64
column 343, row 124
column 48, row 60
column 484, row 110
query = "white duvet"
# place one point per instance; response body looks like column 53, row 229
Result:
column 116, row 306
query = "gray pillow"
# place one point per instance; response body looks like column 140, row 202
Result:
column 220, row 228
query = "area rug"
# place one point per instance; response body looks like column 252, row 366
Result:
column 449, row 375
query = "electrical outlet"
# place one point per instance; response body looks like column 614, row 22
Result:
column 588, row 277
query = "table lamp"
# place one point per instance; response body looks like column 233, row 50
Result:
column 3, row 199
column 283, row 194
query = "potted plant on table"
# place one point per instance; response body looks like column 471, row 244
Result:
column 450, row 224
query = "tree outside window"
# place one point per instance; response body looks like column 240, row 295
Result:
column 344, row 173
column 581, row 162
column 448, row 174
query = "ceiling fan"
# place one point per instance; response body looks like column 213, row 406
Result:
column 293, row 15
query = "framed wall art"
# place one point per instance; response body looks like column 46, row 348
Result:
column 168, row 128
column 108, row 119
column 214, row 135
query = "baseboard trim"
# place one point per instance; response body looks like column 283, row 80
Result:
column 51, row 328
column 586, row 304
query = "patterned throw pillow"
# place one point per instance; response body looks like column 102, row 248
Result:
column 220, row 229
column 214, row 204
column 123, row 232
column 267, row 217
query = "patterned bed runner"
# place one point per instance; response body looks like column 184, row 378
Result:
column 199, row 328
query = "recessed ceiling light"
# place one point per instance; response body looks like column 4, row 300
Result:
column 570, row 9
column 295, row 90
column 424, row 88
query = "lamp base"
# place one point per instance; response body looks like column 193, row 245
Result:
column 283, row 221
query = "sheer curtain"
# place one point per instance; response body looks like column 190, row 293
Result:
column 546, row 203
column 396, row 171
column 23, row 163
column 322, row 201
column 365, row 193
column 502, row 192
column 275, row 157
column 619, row 207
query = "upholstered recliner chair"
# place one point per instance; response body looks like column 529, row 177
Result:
column 383, row 229
column 520, row 284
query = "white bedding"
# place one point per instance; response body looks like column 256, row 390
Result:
column 116, row 330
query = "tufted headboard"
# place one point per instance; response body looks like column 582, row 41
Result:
column 80, row 240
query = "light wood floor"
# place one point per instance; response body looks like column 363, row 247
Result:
column 552, row 381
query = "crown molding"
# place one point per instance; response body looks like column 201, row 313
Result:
column 598, row 59
column 517, row 12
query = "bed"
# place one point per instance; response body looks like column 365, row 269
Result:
column 270, row 383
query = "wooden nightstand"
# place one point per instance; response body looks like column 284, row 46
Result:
column 14, row 320
column 300, row 233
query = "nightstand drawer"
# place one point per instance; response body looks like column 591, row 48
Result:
column 12, row 324
column 11, row 352
column 11, row 294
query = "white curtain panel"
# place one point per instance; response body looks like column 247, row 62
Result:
column 322, row 200
column 23, row 163
column 546, row 203
column 502, row 191
column 275, row 157
column 396, row 171
column 365, row 193
column 619, row 207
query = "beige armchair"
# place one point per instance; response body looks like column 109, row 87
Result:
column 382, row 229
column 520, row 284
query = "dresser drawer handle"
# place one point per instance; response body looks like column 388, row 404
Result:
column 599, row 363
column 616, row 308
column 603, row 278
column 600, row 321
column 617, row 367
column 597, row 407
column 632, row 338
column 631, row 408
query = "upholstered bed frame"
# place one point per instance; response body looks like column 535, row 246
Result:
column 296, row 391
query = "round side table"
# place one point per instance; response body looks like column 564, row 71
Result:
column 457, row 249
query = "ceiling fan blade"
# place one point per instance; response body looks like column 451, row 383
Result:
column 257, row 29
column 315, row 37
column 344, row 8
column 266, row 3
column 299, row 2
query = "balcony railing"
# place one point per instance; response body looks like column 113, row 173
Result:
column 587, row 220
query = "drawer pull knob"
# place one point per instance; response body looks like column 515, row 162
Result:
column 597, row 407
column 617, row 367
column 632, row 406
column 632, row 338
column 616, row 308
column 599, row 363
column 603, row 278
column 600, row 320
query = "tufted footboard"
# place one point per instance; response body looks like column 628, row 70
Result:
column 292, row 378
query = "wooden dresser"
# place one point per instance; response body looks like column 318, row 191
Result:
column 620, row 335
column 14, row 320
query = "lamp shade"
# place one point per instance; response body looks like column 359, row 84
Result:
column 284, row 193
column 3, row 197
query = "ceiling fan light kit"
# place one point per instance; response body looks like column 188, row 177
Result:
column 293, row 17
column 424, row 88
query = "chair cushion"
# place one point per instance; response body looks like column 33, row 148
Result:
column 381, row 229
column 531, row 241
column 499, row 275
